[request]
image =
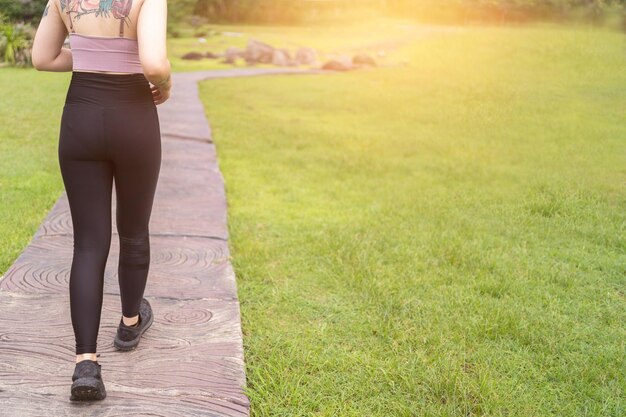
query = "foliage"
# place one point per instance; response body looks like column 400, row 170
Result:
column 18, row 22
column 15, row 43
column 27, row 10
column 288, row 11
column 508, row 10
column 262, row 11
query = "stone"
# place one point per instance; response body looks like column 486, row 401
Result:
column 232, row 53
column 195, row 56
column 306, row 56
column 336, row 65
column 363, row 59
column 281, row 58
column 260, row 52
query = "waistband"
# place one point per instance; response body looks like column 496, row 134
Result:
column 107, row 89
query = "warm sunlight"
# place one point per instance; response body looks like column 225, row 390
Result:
column 324, row 208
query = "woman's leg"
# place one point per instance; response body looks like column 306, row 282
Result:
column 136, row 149
column 88, row 188
column 88, row 182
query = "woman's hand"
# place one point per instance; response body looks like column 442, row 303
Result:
column 161, row 94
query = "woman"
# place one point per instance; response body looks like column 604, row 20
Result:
column 109, row 132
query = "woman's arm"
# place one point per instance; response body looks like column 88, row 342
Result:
column 48, row 53
column 151, row 37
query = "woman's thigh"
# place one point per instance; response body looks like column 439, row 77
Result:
column 87, row 174
column 133, row 135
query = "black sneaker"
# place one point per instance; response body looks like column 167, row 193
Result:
column 127, row 337
column 87, row 382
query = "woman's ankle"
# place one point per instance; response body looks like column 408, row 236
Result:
column 86, row 356
column 130, row 321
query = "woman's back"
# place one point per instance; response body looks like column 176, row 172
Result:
column 119, row 36
column 115, row 36
column 103, row 18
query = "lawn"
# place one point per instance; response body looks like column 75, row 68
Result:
column 441, row 239
column 31, row 104
column 444, row 238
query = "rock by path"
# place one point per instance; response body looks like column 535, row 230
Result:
column 190, row 362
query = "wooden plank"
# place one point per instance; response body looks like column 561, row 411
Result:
column 192, row 347
column 180, row 267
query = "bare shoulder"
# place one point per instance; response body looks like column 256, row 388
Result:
column 99, row 17
column 117, row 7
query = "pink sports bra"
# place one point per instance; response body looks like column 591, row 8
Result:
column 96, row 53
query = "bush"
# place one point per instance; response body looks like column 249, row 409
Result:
column 595, row 11
column 27, row 10
column 15, row 43
column 289, row 11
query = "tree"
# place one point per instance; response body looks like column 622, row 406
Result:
column 27, row 10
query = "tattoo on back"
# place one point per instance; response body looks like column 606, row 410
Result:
column 119, row 9
column 45, row 11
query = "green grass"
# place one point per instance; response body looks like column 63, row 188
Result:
column 31, row 104
column 442, row 239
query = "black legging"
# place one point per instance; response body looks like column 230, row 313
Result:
column 109, row 131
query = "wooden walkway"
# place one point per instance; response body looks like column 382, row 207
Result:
column 190, row 362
